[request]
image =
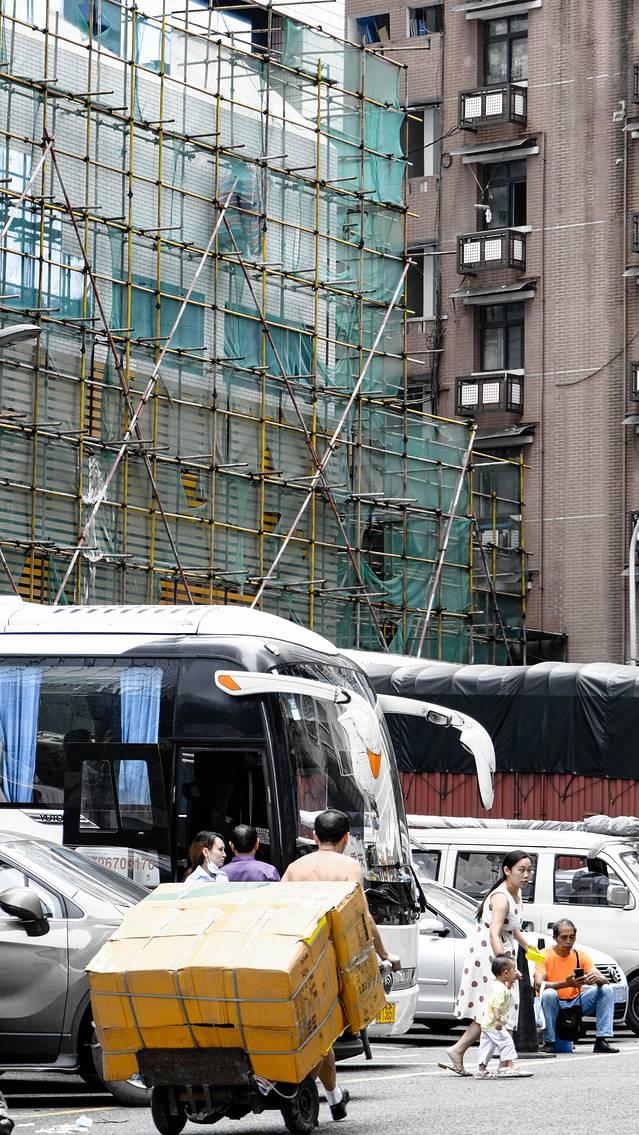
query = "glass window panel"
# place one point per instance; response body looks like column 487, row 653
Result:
column 496, row 27
column 518, row 24
column 515, row 357
column 519, row 60
column 497, row 62
column 415, row 143
column 477, row 871
column 492, row 348
column 415, row 286
column 579, row 881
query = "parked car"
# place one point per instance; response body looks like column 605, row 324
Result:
column 579, row 872
column 443, row 930
column 56, row 910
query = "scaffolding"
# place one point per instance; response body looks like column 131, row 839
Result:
column 203, row 211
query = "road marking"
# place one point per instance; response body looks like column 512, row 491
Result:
column 44, row 1113
column 630, row 1051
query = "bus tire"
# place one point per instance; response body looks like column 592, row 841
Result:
column 300, row 1114
column 167, row 1120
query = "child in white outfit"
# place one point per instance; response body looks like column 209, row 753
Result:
column 495, row 1036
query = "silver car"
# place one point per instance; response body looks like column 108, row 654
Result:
column 56, row 910
column 443, row 930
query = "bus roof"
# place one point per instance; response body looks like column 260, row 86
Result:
column 20, row 618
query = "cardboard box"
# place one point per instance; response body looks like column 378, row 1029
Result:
column 260, row 970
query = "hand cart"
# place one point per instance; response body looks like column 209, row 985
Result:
column 205, row 1085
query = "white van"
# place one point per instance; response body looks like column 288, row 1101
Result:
column 580, row 872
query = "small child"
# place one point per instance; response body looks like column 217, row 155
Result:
column 495, row 1036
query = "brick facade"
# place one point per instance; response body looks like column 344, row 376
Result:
column 582, row 326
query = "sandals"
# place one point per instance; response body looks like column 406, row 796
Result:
column 512, row 1074
column 457, row 1068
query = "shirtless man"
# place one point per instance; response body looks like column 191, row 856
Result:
column 329, row 865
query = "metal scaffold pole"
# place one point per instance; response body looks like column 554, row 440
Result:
column 135, row 413
column 442, row 551
column 330, row 448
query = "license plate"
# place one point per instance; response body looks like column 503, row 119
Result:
column 387, row 1015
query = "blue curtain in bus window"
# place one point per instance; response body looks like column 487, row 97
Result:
column 19, row 701
column 140, row 689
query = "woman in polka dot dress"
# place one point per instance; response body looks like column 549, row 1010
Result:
column 496, row 931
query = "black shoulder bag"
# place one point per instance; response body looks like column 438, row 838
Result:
column 568, row 1024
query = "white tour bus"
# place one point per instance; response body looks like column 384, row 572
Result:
column 125, row 730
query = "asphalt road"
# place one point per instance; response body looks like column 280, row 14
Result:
column 401, row 1091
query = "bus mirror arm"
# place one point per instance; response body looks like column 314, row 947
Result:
column 248, row 683
column 472, row 736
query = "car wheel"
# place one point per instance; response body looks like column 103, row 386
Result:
column 130, row 1093
column 632, row 1014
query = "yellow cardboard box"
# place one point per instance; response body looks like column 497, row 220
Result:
column 256, row 970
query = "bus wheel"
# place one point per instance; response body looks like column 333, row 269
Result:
column 168, row 1120
column 300, row 1114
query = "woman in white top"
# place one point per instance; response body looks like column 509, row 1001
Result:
column 206, row 856
column 497, row 929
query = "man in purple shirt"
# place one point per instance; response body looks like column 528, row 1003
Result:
column 244, row 867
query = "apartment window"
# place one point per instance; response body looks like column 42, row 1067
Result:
column 501, row 337
column 373, row 29
column 506, row 50
column 425, row 21
column 422, row 140
column 504, row 194
column 420, row 284
column 419, row 392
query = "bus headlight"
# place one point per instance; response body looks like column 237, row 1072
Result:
column 402, row 978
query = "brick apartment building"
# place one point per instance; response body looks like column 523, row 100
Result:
column 524, row 226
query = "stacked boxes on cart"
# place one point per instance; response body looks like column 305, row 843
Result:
column 278, row 970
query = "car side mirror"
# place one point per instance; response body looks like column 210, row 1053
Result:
column 617, row 895
column 434, row 926
column 23, row 903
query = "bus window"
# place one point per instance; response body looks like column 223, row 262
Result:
column 46, row 706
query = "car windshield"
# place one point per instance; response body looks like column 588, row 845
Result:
column 74, row 872
column 631, row 861
column 451, row 904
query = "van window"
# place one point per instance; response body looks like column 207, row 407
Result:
column 579, row 881
column 426, row 864
column 477, row 871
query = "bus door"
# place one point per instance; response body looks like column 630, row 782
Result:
column 115, row 808
column 219, row 787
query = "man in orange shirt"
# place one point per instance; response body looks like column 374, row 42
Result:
column 570, row 978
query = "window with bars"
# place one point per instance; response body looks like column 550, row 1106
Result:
column 506, row 50
column 501, row 337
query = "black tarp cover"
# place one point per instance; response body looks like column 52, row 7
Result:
column 552, row 717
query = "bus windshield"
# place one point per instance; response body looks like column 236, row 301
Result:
column 332, row 772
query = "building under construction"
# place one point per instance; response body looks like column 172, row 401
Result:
column 203, row 228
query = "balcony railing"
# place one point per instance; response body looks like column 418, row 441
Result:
column 491, row 390
column 484, row 105
column 493, row 248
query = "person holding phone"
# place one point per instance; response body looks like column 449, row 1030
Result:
column 567, row 977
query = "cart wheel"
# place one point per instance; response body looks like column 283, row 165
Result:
column 167, row 1121
column 300, row 1114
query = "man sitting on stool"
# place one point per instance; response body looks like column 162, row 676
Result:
column 562, row 989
